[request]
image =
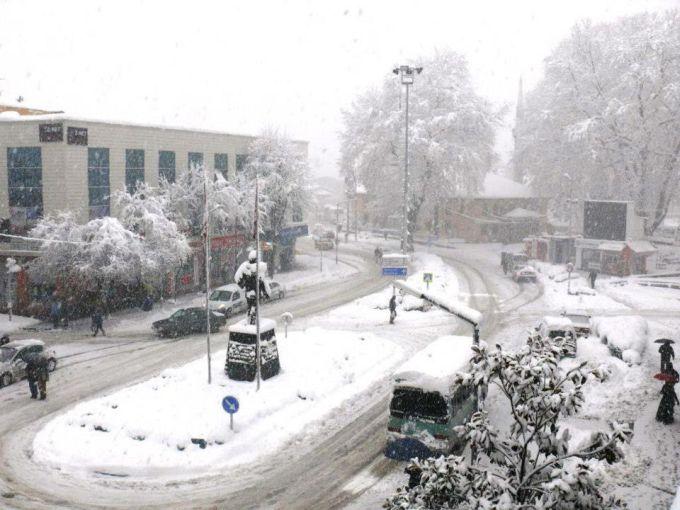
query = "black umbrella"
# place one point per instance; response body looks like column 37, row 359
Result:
column 664, row 341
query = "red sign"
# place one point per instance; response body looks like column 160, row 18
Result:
column 230, row 241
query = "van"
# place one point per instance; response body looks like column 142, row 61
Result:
column 427, row 405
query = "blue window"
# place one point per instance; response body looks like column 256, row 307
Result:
column 24, row 182
column 134, row 169
column 222, row 164
column 241, row 162
column 166, row 165
column 99, row 189
column 195, row 160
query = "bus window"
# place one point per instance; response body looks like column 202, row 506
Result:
column 408, row 402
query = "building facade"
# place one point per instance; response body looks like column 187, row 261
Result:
column 51, row 163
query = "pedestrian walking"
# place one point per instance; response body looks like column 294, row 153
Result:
column 667, row 353
column 147, row 304
column 667, row 405
column 393, row 308
column 37, row 374
column 592, row 276
column 98, row 322
column 55, row 313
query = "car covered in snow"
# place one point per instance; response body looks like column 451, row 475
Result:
column 276, row 290
column 509, row 261
column 554, row 327
column 581, row 321
column 13, row 357
column 228, row 300
column 524, row 274
column 626, row 337
column 188, row 320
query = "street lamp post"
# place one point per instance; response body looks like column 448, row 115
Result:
column 571, row 212
column 406, row 73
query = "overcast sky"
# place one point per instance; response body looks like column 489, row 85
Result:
column 244, row 66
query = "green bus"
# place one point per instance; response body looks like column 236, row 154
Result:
column 427, row 405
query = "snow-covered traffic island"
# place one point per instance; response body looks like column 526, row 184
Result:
column 147, row 429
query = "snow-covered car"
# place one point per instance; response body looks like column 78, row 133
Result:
column 276, row 290
column 581, row 321
column 188, row 320
column 558, row 327
column 228, row 300
column 324, row 243
column 14, row 354
column 524, row 274
column 625, row 336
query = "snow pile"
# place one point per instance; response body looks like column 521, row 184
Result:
column 433, row 368
column 17, row 322
column 638, row 294
column 146, row 429
column 626, row 337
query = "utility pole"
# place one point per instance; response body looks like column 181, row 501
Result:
column 337, row 236
column 356, row 223
column 347, row 229
column 257, row 281
column 406, row 74
column 206, row 234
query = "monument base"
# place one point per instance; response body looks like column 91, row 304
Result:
column 240, row 364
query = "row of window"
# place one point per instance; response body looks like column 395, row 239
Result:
column 24, row 176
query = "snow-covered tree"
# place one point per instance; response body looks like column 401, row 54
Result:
column 146, row 213
column 97, row 251
column 281, row 167
column 530, row 462
column 451, row 136
column 184, row 201
column 607, row 113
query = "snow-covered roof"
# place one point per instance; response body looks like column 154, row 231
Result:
column 611, row 246
column 557, row 322
column 230, row 286
column 519, row 212
column 18, row 344
column 250, row 329
column 361, row 189
column 497, row 186
column 433, row 368
column 641, row 246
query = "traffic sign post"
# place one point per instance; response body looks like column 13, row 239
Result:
column 570, row 268
column 427, row 278
column 230, row 405
column 394, row 271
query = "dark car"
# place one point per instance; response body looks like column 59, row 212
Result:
column 188, row 320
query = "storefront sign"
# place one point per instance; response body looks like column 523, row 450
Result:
column 231, row 241
column 51, row 132
column 76, row 136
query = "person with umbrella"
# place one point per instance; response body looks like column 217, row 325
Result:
column 666, row 352
column 667, row 405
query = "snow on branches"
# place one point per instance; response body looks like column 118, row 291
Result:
column 531, row 463
column 607, row 113
column 451, row 136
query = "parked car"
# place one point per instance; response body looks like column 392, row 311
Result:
column 188, row 320
column 13, row 355
column 559, row 327
column 276, row 290
column 524, row 274
column 324, row 243
column 581, row 321
column 509, row 261
column 228, row 300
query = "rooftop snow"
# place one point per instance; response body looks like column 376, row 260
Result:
column 433, row 368
column 250, row 329
column 522, row 213
column 641, row 246
column 497, row 186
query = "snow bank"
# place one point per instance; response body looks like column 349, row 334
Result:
column 433, row 368
column 17, row 322
column 146, row 429
column 625, row 336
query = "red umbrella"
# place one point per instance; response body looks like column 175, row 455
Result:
column 666, row 377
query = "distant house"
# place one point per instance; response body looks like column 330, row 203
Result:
column 502, row 211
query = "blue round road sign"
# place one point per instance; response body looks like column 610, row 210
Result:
column 230, row 404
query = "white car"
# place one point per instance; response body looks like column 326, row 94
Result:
column 581, row 321
column 228, row 300
column 524, row 273
column 12, row 359
column 276, row 291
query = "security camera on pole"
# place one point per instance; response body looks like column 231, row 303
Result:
column 406, row 73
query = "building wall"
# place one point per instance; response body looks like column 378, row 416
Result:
column 64, row 166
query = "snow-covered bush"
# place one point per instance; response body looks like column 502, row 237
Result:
column 626, row 337
column 532, row 465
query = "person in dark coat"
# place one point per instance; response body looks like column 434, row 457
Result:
column 98, row 322
column 55, row 313
column 393, row 308
column 147, row 304
column 592, row 276
column 32, row 374
column 667, row 405
column 667, row 353
column 414, row 476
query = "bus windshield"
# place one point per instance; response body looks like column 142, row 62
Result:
column 407, row 402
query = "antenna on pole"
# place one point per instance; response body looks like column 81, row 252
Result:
column 257, row 280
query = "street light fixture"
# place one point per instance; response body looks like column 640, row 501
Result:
column 406, row 73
